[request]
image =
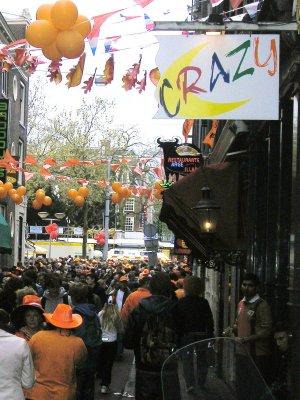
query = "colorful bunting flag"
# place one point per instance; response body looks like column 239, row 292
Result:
column 143, row 3
column 75, row 74
column 235, row 3
column 252, row 9
column 148, row 22
column 215, row 3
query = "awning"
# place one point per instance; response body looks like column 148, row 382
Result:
column 178, row 201
column 5, row 238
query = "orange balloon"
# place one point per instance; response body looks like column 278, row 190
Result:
column 82, row 25
column 127, row 193
column 64, row 14
column 1, row 183
column 72, row 193
column 8, row 185
column 157, row 185
column 44, row 12
column 40, row 195
column 79, row 201
column 157, row 194
column 21, row 190
column 70, row 43
column 36, row 204
column 16, row 198
column 116, row 198
column 40, row 33
column 11, row 192
column 116, row 186
column 83, row 191
column 47, row 201
column 51, row 52
column 3, row 192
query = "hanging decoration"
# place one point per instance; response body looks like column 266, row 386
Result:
column 120, row 194
column 41, row 199
column 52, row 230
column 78, row 196
column 130, row 78
column 100, row 238
column 58, row 30
column 16, row 195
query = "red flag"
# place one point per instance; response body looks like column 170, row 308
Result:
column 30, row 160
column 186, row 128
column 235, row 3
column 143, row 3
column 137, row 170
column 115, row 167
column 50, row 161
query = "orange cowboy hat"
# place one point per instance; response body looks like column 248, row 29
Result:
column 28, row 301
column 63, row 317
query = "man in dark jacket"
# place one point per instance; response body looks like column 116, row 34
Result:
column 148, row 375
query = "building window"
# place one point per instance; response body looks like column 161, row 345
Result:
column 129, row 205
column 4, row 83
column 21, row 160
column 22, row 103
column 129, row 224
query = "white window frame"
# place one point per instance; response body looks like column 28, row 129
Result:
column 129, row 205
column 22, row 103
column 129, row 224
column 21, row 160
column 4, row 83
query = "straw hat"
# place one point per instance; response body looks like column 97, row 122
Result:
column 63, row 317
column 28, row 301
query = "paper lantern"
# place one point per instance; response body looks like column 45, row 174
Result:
column 116, row 186
column 82, row 25
column 44, row 12
column 64, row 14
column 72, row 193
column 16, row 198
column 70, row 43
column 36, row 204
column 116, row 198
column 47, row 201
column 51, row 52
column 8, row 185
column 83, row 191
column 40, row 33
column 21, row 190
column 40, row 195
column 3, row 192
column 54, row 234
column 79, row 201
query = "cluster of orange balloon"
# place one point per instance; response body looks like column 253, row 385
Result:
column 16, row 195
column 120, row 194
column 58, row 30
column 41, row 199
column 78, row 196
column 158, row 189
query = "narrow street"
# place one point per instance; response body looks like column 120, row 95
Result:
column 123, row 374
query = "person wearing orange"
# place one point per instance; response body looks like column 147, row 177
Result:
column 28, row 318
column 135, row 297
column 55, row 354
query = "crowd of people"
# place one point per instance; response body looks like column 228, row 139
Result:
column 64, row 323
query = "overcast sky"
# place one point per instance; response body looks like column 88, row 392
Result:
column 132, row 107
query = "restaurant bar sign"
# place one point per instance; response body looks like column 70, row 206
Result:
column 218, row 77
column 4, row 118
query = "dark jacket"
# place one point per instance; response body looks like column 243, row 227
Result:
column 134, row 329
column 193, row 314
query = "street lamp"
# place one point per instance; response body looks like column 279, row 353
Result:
column 58, row 216
column 207, row 211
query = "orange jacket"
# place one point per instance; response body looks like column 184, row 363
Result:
column 55, row 356
column 132, row 301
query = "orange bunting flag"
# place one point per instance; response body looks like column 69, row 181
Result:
column 137, row 170
column 157, row 171
column 54, row 72
column 43, row 171
column 49, row 162
column 30, row 160
column 71, row 162
column 9, row 159
column 108, row 71
column 130, row 78
column 186, row 128
column 102, row 183
column 115, row 167
column 75, row 74
column 210, row 137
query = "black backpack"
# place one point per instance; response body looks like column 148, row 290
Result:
column 91, row 333
column 158, row 339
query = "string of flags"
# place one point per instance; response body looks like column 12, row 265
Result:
column 14, row 54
